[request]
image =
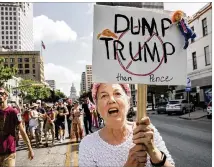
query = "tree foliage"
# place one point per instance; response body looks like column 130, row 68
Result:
column 6, row 73
column 86, row 94
column 59, row 95
column 33, row 90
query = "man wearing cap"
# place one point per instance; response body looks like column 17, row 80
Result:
column 62, row 111
column 10, row 118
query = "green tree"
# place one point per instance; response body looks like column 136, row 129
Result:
column 59, row 95
column 6, row 73
column 34, row 90
column 86, row 94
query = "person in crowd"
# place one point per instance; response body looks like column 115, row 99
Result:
column 41, row 110
column 76, row 122
column 55, row 105
column 69, row 120
column 18, row 108
column 9, row 120
column 121, row 143
column 100, row 120
column 62, row 111
column 55, row 122
column 26, row 118
column 49, row 124
column 94, row 116
column 87, row 116
column 34, row 124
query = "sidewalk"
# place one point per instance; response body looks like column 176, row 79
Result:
column 194, row 115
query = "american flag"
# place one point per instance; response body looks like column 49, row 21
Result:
column 43, row 45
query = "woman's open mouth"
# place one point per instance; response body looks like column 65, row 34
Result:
column 113, row 111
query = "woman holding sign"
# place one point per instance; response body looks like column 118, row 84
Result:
column 121, row 143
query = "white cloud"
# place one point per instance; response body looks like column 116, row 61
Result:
column 84, row 62
column 84, row 44
column 189, row 8
column 63, row 77
column 52, row 31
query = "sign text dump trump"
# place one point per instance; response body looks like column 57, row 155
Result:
column 133, row 45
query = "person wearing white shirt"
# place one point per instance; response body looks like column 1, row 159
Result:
column 122, row 143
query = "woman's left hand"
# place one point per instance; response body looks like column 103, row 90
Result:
column 144, row 134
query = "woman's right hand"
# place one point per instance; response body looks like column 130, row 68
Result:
column 137, row 156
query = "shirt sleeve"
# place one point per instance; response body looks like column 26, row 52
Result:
column 85, row 154
column 160, row 144
column 17, row 116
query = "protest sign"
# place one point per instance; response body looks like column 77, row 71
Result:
column 133, row 45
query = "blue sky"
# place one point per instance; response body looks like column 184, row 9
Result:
column 66, row 29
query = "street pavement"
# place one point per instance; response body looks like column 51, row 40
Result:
column 189, row 142
column 58, row 155
column 61, row 154
column 51, row 156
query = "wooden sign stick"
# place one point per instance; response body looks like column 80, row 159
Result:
column 141, row 101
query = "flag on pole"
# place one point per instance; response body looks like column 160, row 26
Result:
column 43, row 45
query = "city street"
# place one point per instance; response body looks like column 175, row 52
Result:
column 90, row 62
column 59, row 155
column 189, row 142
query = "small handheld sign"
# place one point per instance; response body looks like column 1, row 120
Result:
column 137, row 46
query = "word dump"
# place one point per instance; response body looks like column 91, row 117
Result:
column 140, row 29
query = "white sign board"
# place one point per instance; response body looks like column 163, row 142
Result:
column 134, row 45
